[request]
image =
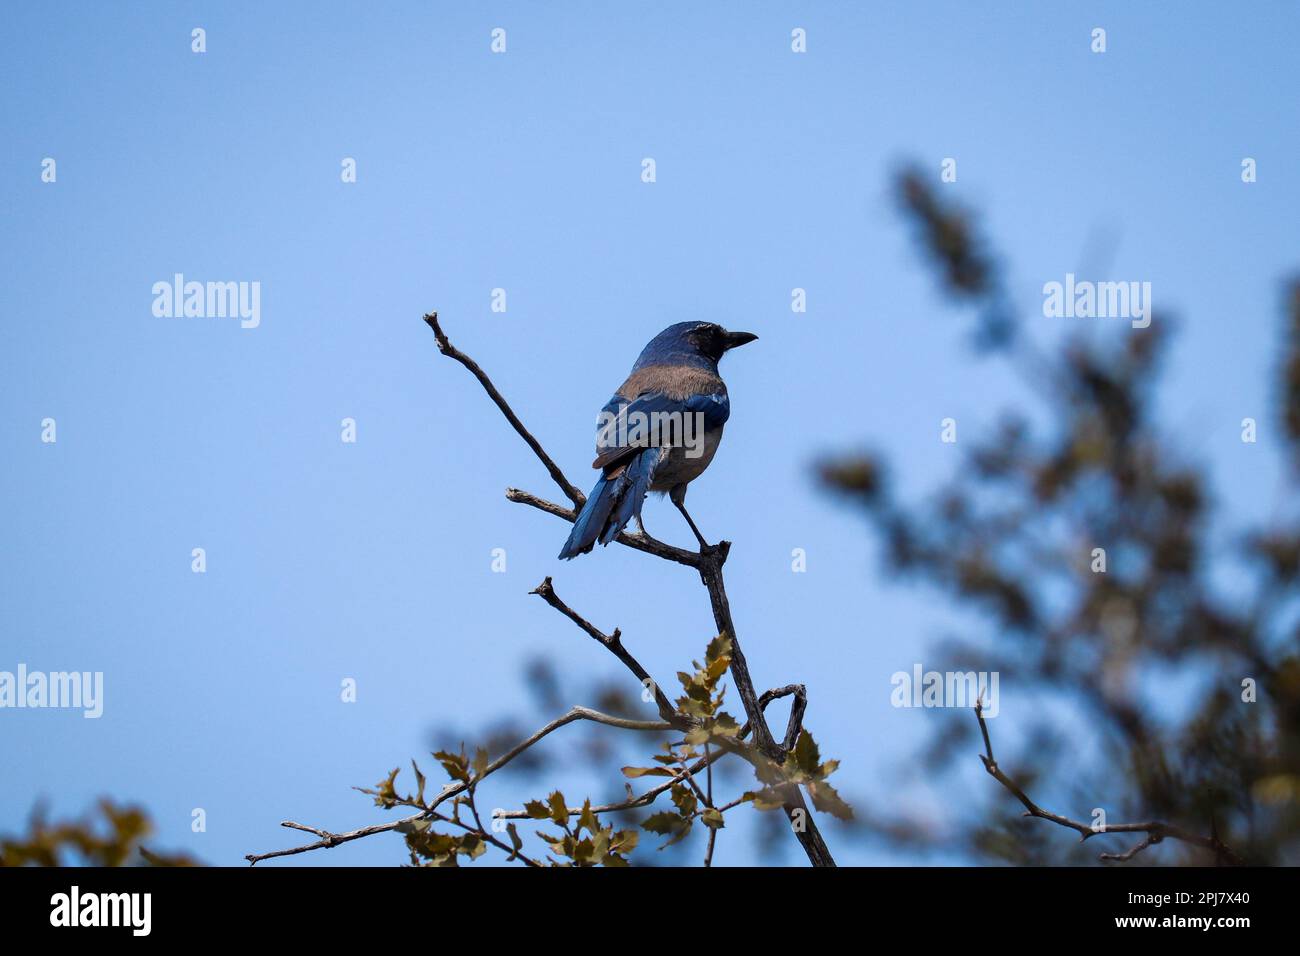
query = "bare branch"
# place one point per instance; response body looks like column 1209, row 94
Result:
column 711, row 575
column 801, row 819
column 632, row 803
column 449, row 350
column 327, row 840
column 641, row 542
column 708, row 802
column 614, row 644
column 795, row 724
column 1124, row 857
column 647, row 798
column 330, row 840
column 1156, row 830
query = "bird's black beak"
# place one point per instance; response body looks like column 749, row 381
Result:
column 735, row 339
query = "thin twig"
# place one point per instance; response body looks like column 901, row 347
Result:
column 330, row 840
column 446, row 348
column 632, row 803
column 795, row 725
column 1156, row 830
column 708, row 802
column 614, row 644
column 640, row 542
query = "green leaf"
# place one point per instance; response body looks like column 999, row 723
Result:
column 668, row 823
column 805, row 754
column 456, row 765
column 716, row 670
column 770, row 772
column 515, row 841
column 419, row 779
column 599, row 846
column 765, row 799
column 584, row 851
column 724, row 725
column 558, row 844
column 647, row 772
column 480, row 761
column 684, row 799
column 588, row 819
column 559, row 809
column 718, row 648
column 826, row 799
column 537, row 810
column 697, row 735
column 712, row 818
column 665, row 821
column 433, row 846
column 384, row 793
column 624, row 841
column 472, row 845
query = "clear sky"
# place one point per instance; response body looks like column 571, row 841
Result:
column 522, row 171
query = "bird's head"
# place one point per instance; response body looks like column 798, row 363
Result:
column 692, row 343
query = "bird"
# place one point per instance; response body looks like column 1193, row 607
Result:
column 658, row 432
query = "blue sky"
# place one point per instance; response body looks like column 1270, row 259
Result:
column 522, row 171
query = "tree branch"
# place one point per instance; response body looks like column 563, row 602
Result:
column 795, row 724
column 641, row 542
column 330, row 840
column 708, row 562
column 801, row 819
column 449, row 350
column 1155, row 830
column 614, row 644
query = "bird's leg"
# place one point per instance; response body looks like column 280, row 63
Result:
column 678, row 496
column 640, row 523
column 704, row 545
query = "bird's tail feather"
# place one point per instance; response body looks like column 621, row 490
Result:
column 590, row 520
column 613, row 502
column 637, row 476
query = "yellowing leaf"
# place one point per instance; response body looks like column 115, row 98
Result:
column 537, row 810
column 826, row 799
column 805, row 754
column 456, row 765
column 559, row 809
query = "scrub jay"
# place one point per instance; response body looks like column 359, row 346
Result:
column 659, row 431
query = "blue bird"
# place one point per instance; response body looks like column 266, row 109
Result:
column 659, row 431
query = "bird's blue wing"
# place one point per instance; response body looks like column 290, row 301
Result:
column 654, row 418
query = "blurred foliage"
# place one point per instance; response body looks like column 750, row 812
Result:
column 1141, row 668
column 111, row 835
